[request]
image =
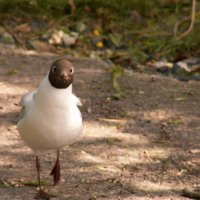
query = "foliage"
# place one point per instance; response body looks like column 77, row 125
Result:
column 136, row 31
column 116, row 72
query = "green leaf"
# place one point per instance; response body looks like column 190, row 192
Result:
column 116, row 39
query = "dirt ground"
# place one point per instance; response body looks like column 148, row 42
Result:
column 144, row 146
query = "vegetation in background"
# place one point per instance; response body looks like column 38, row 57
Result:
column 116, row 72
column 124, row 32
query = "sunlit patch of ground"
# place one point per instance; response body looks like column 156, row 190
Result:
column 143, row 146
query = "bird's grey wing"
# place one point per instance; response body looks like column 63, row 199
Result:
column 77, row 100
column 25, row 102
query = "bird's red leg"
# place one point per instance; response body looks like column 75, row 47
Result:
column 38, row 172
column 41, row 194
column 55, row 172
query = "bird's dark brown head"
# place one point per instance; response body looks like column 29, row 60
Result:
column 61, row 74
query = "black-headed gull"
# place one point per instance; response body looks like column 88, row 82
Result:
column 50, row 117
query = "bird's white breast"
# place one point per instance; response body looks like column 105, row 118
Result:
column 52, row 121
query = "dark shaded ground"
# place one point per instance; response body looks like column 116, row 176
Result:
column 144, row 146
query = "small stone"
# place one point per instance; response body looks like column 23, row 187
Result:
column 69, row 40
column 89, row 110
column 56, row 37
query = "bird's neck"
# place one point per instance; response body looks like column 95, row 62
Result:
column 56, row 97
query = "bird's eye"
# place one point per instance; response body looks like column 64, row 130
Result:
column 71, row 70
column 54, row 69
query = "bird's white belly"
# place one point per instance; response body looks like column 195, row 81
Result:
column 54, row 130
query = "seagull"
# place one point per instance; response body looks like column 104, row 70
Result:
column 50, row 118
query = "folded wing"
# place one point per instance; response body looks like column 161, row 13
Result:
column 25, row 102
column 77, row 100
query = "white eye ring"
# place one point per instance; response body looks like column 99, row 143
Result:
column 54, row 69
column 71, row 70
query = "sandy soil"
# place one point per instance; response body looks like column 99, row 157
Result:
column 144, row 146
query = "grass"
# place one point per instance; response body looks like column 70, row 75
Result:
column 139, row 30
column 116, row 72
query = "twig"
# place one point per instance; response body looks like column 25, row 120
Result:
column 72, row 5
column 190, row 194
column 186, row 19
